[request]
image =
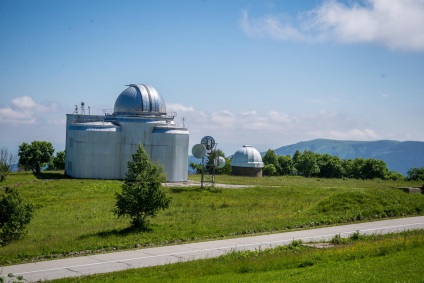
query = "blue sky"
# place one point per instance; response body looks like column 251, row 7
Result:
column 265, row 73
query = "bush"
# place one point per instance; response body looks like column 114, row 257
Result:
column 395, row 176
column 57, row 162
column 14, row 216
column 338, row 240
column 4, row 171
column 356, row 236
column 416, row 174
column 269, row 170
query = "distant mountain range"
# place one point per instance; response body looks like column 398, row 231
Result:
column 398, row 156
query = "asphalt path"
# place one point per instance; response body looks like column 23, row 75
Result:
column 102, row 263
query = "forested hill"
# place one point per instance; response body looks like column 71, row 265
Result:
column 398, row 156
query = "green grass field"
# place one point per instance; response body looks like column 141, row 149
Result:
column 388, row 258
column 74, row 217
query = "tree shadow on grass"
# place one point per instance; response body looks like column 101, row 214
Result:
column 177, row 190
column 118, row 232
column 51, row 175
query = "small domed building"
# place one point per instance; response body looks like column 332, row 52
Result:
column 100, row 146
column 247, row 161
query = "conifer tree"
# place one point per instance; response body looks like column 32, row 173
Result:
column 142, row 195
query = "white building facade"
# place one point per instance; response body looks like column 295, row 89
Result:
column 99, row 147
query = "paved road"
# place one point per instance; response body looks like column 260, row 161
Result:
column 101, row 263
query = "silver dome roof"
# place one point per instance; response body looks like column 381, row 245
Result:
column 247, row 156
column 138, row 100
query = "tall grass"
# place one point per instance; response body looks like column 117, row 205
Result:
column 75, row 216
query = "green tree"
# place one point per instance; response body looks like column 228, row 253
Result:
column 269, row 170
column 271, row 158
column 210, row 165
column 296, row 157
column 357, row 169
column 286, row 165
column 14, row 216
column 307, row 164
column 142, row 195
column 35, row 155
column 395, row 176
column 416, row 174
column 6, row 160
column 374, row 169
column 196, row 167
column 57, row 162
column 329, row 166
column 347, row 165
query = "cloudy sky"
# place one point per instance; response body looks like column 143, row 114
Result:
column 265, row 73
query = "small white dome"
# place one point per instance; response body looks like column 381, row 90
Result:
column 247, row 156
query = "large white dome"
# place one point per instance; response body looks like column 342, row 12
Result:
column 247, row 156
column 138, row 100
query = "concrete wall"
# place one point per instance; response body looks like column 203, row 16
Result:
column 246, row 171
column 93, row 152
column 170, row 148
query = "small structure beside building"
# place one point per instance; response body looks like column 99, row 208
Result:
column 247, row 161
column 100, row 146
column 413, row 190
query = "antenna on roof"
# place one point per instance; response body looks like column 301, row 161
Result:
column 76, row 109
column 82, row 108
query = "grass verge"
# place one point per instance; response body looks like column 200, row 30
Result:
column 388, row 258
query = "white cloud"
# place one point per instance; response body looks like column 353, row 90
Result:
column 24, row 110
column 354, row 134
column 225, row 119
column 279, row 117
column 23, row 102
column 278, row 28
column 248, row 113
column 396, row 24
column 61, row 121
column 10, row 116
column 273, row 128
column 324, row 124
column 176, row 107
column 27, row 103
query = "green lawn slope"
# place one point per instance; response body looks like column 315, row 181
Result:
column 74, row 217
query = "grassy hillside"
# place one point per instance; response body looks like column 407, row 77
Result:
column 75, row 216
column 399, row 156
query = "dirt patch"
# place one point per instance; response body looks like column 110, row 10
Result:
column 320, row 245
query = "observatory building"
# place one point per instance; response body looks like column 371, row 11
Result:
column 247, row 161
column 100, row 146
